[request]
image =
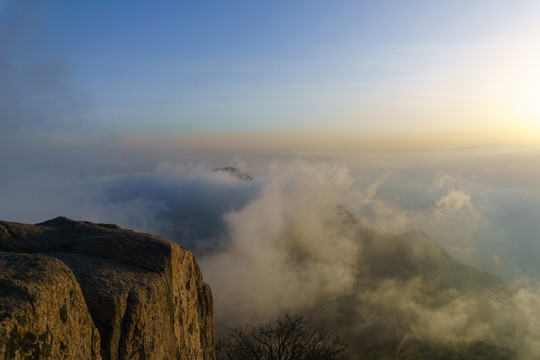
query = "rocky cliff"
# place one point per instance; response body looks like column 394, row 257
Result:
column 79, row 290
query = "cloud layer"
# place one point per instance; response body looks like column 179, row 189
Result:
column 278, row 243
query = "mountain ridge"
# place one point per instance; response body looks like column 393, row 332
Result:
column 405, row 284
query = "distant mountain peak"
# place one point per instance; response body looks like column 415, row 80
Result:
column 235, row 172
column 345, row 215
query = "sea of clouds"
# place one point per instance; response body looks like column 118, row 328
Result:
column 274, row 244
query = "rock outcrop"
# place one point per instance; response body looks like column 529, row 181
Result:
column 41, row 308
column 79, row 290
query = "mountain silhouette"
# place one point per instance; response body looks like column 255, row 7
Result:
column 413, row 300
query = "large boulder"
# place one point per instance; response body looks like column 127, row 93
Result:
column 144, row 293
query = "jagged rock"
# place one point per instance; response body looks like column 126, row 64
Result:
column 145, row 294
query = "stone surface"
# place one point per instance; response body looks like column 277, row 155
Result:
column 145, row 294
column 41, row 307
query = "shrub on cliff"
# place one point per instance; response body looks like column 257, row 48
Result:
column 290, row 337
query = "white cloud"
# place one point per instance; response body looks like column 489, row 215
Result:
column 286, row 247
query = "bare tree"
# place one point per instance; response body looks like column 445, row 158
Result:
column 290, row 337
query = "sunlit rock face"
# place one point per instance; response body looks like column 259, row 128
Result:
column 43, row 314
column 124, row 294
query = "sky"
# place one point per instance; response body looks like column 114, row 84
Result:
column 462, row 72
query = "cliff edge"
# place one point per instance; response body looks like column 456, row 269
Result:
column 79, row 290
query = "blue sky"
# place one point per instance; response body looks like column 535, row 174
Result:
column 349, row 66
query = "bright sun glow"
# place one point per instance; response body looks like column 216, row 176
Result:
column 517, row 89
column 525, row 96
column 531, row 98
